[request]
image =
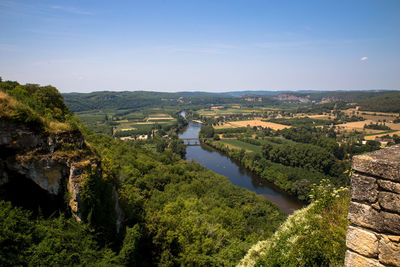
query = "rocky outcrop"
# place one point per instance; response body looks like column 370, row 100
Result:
column 373, row 238
column 56, row 162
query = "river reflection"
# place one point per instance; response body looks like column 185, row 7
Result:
column 238, row 175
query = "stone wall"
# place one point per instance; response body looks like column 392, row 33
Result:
column 373, row 238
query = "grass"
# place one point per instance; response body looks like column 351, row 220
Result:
column 237, row 144
column 7, row 105
column 141, row 126
column 12, row 109
column 276, row 141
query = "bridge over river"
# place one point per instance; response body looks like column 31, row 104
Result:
column 195, row 141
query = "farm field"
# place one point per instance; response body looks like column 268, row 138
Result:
column 252, row 123
column 372, row 137
column 301, row 115
column 159, row 117
column 356, row 125
column 323, row 117
column 374, row 116
column 125, row 126
column 394, row 126
column 111, row 121
column 237, row 144
column 371, row 134
column 233, row 110
column 378, row 117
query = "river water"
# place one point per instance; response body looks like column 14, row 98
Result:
column 238, row 175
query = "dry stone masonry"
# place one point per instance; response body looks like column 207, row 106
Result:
column 373, row 238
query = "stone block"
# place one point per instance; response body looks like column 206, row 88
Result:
column 383, row 163
column 390, row 223
column 362, row 242
column 390, row 201
column 389, row 186
column 364, row 188
column 364, row 215
column 355, row 260
column 389, row 250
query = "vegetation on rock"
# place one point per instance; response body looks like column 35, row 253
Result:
column 312, row 236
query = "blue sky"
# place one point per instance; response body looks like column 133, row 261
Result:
column 83, row 46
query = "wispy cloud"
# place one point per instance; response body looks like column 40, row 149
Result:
column 364, row 58
column 72, row 10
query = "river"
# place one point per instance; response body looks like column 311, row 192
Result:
column 238, row 175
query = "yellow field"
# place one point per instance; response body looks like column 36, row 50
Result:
column 373, row 116
column 252, row 123
column 394, row 126
column 150, row 122
column 372, row 137
column 378, row 117
column 356, row 125
column 160, row 117
column 359, row 125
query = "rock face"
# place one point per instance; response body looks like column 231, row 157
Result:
column 373, row 238
column 55, row 162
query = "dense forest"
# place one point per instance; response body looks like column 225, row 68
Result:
column 388, row 102
column 139, row 99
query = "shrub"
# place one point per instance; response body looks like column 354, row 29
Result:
column 312, row 236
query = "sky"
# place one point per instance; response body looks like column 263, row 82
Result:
column 214, row 46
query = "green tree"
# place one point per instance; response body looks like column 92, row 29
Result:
column 206, row 131
column 129, row 251
column 178, row 147
column 16, row 228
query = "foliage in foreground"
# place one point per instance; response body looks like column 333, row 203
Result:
column 27, row 241
column 187, row 214
column 312, row 236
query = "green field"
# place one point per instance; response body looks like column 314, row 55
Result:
column 105, row 120
column 140, row 126
column 236, row 144
column 276, row 141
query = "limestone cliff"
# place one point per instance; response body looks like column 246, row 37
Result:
column 54, row 161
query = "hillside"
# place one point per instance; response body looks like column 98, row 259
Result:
column 389, row 102
column 312, row 236
column 136, row 206
column 136, row 100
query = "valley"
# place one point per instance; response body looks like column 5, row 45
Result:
column 145, row 197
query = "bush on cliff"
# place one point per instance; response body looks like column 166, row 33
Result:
column 312, row 236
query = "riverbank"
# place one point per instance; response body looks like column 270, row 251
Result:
column 237, row 174
column 296, row 182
